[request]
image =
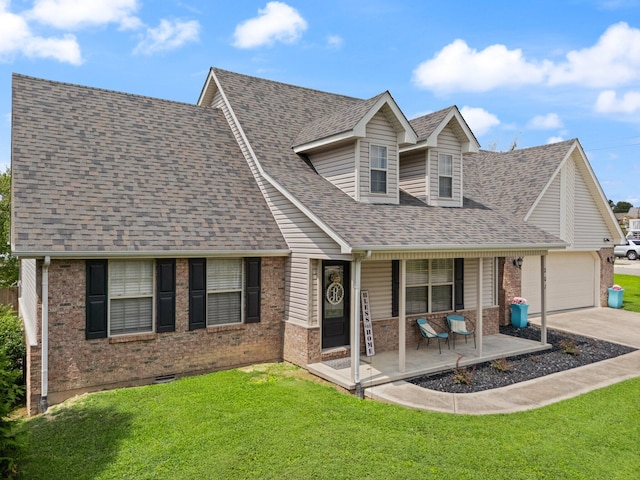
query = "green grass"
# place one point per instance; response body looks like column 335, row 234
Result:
column 631, row 295
column 273, row 422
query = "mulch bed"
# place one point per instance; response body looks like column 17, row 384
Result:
column 488, row 375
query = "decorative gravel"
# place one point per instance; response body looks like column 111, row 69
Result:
column 485, row 376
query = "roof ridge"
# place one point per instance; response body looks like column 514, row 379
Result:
column 535, row 147
column 289, row 85
column 99, row 89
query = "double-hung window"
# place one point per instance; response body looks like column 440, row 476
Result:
column 224, row 290
column 378, row 168
column 130, row 296
column 445, row 176
column 429, row 286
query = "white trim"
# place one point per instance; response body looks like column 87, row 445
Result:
column 323, row 142
column 471, row 146
column 378, row 169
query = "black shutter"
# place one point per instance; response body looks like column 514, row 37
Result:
column 166, row 292
column 458, row 276
column 395, row 288
column 252, row 268
column 97, row 281
column 197, row 293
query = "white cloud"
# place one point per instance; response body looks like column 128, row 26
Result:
column 276, row 22
column 554, row 140
column 16, row 38
column 458, row 67
column 608, row 102
column 334, row 41
column 613, row 61
column 168, row 35
column 545, row 122
column 73, row 14
column 480, row 121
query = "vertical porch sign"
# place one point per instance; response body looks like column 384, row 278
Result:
column 366, row 323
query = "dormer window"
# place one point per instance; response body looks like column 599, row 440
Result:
column 378, row 168
column 445, row 176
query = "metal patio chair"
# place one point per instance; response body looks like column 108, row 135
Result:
column 461, row 325
column 427, row 331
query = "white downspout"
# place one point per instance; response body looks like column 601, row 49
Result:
column 45, row 334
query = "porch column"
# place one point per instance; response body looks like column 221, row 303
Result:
column 402, row 334
column 355, row 325
column 478, row 332
column 543, row 299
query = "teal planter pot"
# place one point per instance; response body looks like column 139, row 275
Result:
column 615, row 298
column 519, row 315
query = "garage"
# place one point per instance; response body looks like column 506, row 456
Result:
column 571, row 281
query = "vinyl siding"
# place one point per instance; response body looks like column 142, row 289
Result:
column 338, row 166
column 448, row 144
column 376, row 278
column 590, row 226
column 379, row 132
column 28, row 302
column 297, row 292
column 569, row 211
column 413, row 175
column 547, row 213
column 471, row 282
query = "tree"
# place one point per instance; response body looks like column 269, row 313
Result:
column 8, row 263
column 622, row 207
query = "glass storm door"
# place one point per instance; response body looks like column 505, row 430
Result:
column 335, row 303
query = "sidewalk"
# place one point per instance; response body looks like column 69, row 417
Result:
column 605, row 323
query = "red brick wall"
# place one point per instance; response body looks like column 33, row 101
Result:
column 509, row 286
column 77, row 365
column 301, row 344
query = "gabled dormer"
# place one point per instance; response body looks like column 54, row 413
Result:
column 431, row 170
column 357, row 148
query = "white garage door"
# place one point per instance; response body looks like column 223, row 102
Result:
column 570, row 281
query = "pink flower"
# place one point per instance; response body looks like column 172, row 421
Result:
column 616, row 287
column 519, row 301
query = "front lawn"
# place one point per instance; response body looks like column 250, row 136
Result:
column 276, row 422
column 631, row 295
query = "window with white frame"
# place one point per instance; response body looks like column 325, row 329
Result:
column 445, row 176
column 429, row 286
column 130, row 296
column 378, row 168
column 224, row 290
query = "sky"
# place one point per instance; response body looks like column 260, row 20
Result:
column 522, row 73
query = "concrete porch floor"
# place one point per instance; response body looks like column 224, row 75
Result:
column 384, row 366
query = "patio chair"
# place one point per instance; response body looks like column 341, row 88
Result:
column 427, row 331
column 460, row 325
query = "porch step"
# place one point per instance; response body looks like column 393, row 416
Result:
column 335, row 353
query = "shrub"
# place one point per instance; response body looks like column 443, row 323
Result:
column 569, row 347
column 501, row 365
column 11, row 337
column 462, row 375
column 10, row 442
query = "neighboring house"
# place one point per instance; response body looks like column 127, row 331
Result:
column 160, row 239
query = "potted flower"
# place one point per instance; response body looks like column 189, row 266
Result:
column 519, row 309
column 615, row 296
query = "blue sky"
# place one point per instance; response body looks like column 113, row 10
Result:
column 523, row 72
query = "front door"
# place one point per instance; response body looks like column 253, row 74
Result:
column 336, row 308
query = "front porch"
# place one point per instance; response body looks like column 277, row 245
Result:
column 384, row 367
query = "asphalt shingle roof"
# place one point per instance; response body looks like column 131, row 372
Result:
column 102, row 171
column 272, row 115
column 512, row 181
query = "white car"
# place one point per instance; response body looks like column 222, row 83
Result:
column 631, row 249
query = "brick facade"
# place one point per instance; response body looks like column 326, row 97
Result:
column 606, row 273
column 77, row 365
column 509, row 286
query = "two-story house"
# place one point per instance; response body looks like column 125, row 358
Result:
column 160, row 239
